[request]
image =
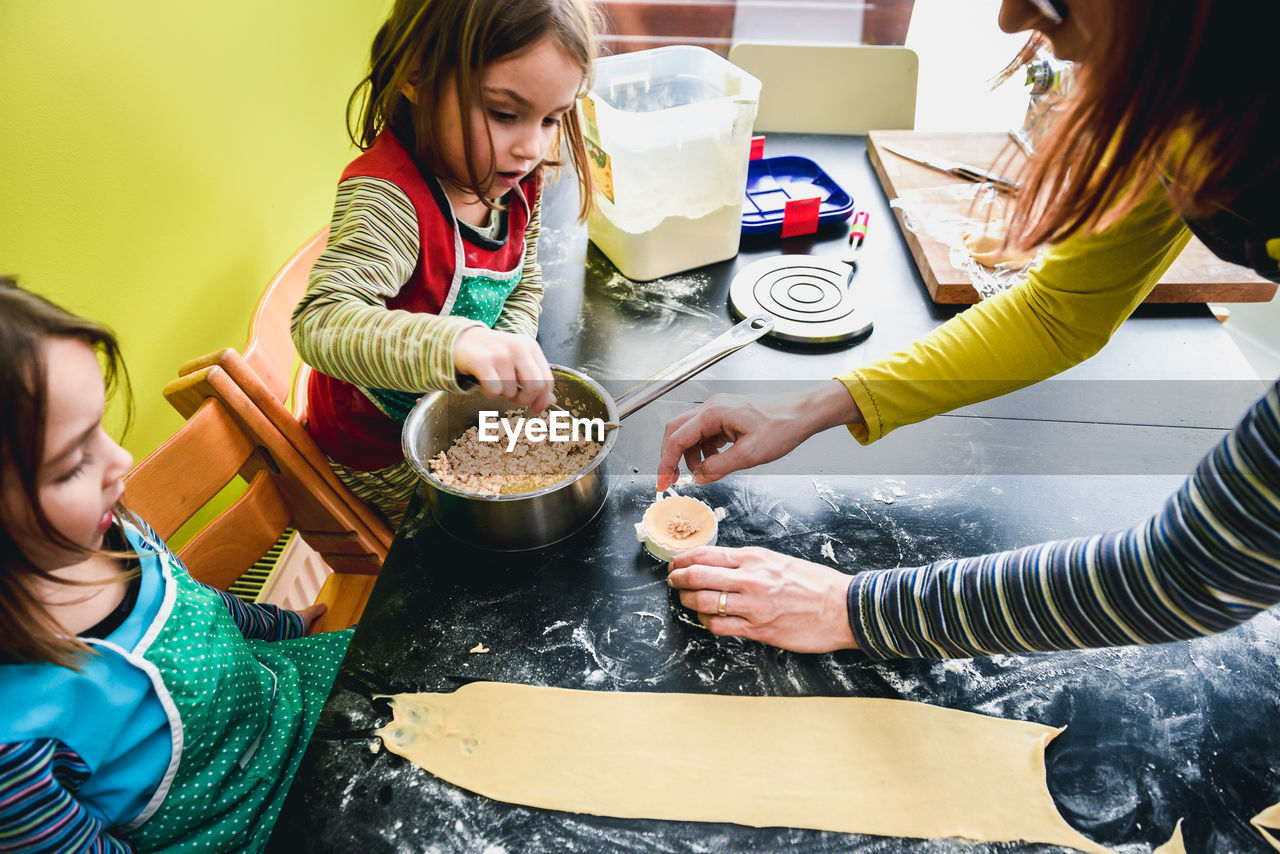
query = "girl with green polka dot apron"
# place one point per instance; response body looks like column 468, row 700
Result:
column 241, row 712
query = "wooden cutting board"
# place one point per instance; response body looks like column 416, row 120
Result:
column 1197, row 276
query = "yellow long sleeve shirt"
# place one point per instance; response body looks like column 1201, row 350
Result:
column 1064, row 312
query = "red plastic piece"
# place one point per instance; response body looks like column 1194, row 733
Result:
column 757, row 148
column 858, row 228
column 800, row 216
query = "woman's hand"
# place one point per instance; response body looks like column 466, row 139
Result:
column 312, row 613
column 506, row 365
column 758, row 429
column 765, row 596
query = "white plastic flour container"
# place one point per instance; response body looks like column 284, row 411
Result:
column 668, row 138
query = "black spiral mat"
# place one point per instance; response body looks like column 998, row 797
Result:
column 809, row 297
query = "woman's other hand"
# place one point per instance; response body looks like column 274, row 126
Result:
column 506, row 365
column 757, row 429
column 765, row 596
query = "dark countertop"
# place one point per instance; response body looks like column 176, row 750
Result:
column 1188, row 730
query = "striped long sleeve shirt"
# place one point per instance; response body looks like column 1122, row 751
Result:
column 1208, row 560
column 38, row 807
column 342, row 326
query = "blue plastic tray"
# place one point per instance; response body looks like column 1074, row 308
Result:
column 773, row 181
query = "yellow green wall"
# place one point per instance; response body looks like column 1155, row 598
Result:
column 159, row 159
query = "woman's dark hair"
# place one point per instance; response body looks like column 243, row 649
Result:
column 27, row 321
column 1183, row 90
column 430, row 42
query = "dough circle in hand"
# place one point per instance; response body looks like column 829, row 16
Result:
column 677, row 524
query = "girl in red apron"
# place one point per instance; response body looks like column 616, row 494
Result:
column 431, row 273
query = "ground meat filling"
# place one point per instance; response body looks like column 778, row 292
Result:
column 487, row 468
column 681, row 526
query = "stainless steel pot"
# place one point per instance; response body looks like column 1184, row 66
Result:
column 530, row 520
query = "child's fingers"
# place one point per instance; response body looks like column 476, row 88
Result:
column 539, row 403
column 507, row 365
column 494, row 384
column 537, row 386
column 543, row 366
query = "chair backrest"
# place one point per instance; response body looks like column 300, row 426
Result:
column 227, row 376
column 259, row 380
column 270, row 351
column 226, row 435
column 180, row 477
column 347, row 534
column 831, row 88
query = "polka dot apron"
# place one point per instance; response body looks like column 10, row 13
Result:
column 477, row 293
column 243, row 711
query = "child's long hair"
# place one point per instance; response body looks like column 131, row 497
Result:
column 427, row 40
column 27, row 633
column 1184, row 89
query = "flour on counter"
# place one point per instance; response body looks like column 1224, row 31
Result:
column 826, row 493
column 892, row 491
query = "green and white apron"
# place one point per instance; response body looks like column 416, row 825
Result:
column 241, row 714
column 477, row 293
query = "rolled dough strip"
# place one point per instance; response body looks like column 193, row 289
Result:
column 1174, row 845
column 854, row 765
column 1268, row 818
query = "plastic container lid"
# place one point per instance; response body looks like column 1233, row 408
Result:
column 774, row 181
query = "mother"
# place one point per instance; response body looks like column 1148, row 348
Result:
column 1173, row 128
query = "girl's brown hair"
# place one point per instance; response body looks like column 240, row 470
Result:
column 27, row 633
column 427, row 41
column 1182, row 90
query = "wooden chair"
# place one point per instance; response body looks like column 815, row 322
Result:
column 269, row 370
column 831, row 89
column 226, row 435
column 270, row 351
column 259, row 381
column 187, row 393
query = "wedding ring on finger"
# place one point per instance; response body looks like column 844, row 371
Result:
column 722, row 607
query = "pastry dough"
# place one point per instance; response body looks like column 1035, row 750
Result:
column 676, row 524
column 988, row 249
column 1174, row 845
column 855, row 765
column 1268, row 818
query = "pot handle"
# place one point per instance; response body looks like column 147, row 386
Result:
column 699, row 360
